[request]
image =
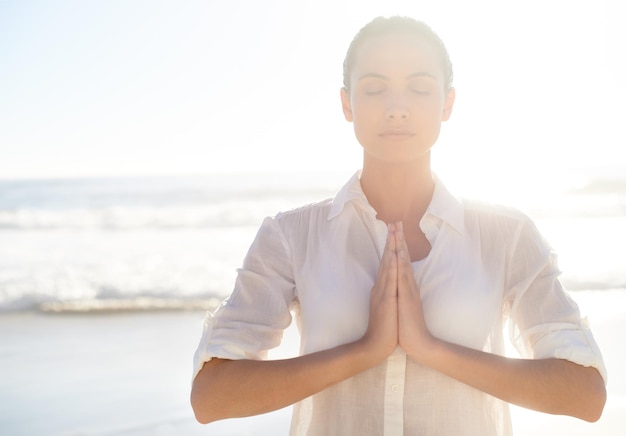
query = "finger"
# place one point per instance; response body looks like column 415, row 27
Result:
column 391, row 241
column 401, row 246
column 385, row 262
column 405, row 269
column 383, row 268
column 392, row 261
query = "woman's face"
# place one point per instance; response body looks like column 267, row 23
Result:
column 398, row 98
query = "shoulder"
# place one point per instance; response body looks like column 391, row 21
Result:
column 299, row 220
column 477, row 215
column 288, row 230
column 502, row 221
column 281, row 232
column 305, row 213
column 479, row 209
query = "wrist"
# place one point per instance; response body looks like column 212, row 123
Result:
column 366, row 354
column 428, row 352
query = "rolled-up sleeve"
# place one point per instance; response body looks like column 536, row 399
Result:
column 252, row 320
column 545, row 321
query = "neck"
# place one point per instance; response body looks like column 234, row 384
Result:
column 398, row 191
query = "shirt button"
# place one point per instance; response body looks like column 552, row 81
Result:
column 395, row 388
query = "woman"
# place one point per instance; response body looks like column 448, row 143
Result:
column 400, row 289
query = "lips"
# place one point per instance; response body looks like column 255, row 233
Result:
column 397, row 134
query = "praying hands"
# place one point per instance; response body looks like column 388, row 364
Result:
column 396, row 314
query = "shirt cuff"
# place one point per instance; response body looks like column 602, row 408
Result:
column 208, row 348
column 568, row 341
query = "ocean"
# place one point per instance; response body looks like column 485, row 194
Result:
column 97, row 277
column 174, row 242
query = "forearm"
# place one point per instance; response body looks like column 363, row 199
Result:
column 236, row 388
column 549, row 385
column 232, row 388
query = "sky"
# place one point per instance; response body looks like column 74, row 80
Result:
column 111, row 88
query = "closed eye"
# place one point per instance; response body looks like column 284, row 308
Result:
column 422, row 85
column 420, row 88
column 374, row 88
column 374, row 91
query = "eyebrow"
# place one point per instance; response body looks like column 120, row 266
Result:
column 410, row 76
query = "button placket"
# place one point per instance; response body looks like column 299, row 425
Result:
column 394, row 393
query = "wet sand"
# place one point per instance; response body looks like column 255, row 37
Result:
column 129, row 374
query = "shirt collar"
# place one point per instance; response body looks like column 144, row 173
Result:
column 349, row 192
column 446, row 207
column 443, row 205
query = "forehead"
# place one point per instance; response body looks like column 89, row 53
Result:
column 397, row 53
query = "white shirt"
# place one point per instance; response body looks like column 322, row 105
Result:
column 487, row 265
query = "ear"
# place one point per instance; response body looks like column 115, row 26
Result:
column 345, row 104
column 448, row 104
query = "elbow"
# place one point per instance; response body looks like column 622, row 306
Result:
column 583, row 395
column 595, row 397
column 199, row 409
column 204, row 398
column 596, row 405
column 203, row 410
column 201, row 417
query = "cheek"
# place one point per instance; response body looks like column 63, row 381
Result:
column 363, row 123
column 432, row 103
column 429, row 112
column 366, row 115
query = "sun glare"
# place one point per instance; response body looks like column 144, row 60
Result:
column 165, row 92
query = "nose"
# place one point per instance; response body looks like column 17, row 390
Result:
column 397, row 109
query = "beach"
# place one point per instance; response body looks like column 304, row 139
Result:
column 101, row 281
column 143, row 144
column 108, row 374
column 130, row 374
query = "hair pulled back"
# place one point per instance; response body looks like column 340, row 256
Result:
column 382, row 26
